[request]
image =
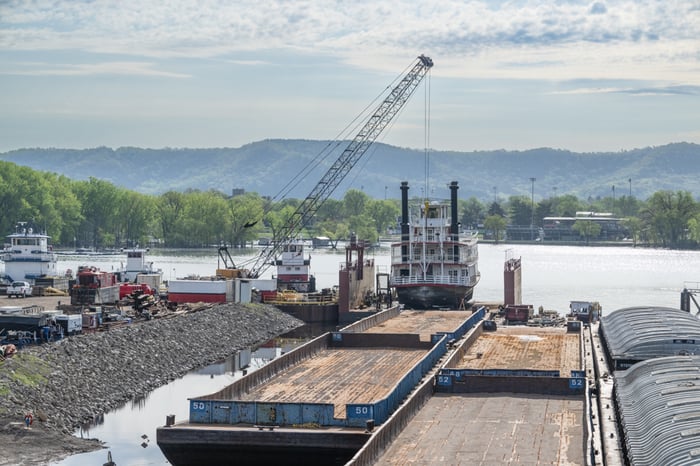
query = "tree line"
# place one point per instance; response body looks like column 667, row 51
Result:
column 97, row 214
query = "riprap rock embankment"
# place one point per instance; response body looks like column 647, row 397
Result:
column 70, row 382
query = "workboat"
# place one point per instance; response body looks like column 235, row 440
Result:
column 28, row 255
column 296, row 292
column 137, row 264
column 434, row 266
column 294, row 270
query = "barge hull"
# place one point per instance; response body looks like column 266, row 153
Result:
column 433, row 296
column 250, row 446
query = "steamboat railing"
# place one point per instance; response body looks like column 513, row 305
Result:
column 435, row 280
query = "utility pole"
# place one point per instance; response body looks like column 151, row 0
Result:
column 532, row 219
column 613, row 204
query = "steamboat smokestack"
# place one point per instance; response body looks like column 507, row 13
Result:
column 454, row 225
column 404, row 220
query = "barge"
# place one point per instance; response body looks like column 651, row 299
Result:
column 320, row 403
column 516, row 395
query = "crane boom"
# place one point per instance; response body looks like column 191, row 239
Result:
column 381, row 117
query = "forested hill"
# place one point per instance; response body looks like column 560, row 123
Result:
column 267, row 166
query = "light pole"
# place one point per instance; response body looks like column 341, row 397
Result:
column 630, row 180
column 613, row 205
column 532, row 218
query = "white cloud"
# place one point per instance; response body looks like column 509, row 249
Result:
column 479, row 38
column 256, row 69
column 87, row 69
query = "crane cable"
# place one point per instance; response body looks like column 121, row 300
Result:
column 350, row 129
column 426, row 137
column 384, row 134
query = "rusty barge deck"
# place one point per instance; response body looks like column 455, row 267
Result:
column 317, row 404
column 513, row 396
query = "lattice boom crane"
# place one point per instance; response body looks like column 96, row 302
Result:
column 379, row 120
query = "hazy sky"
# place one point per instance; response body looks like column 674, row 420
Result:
column 585, row 76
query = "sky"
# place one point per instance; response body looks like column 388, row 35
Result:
column 585, row 76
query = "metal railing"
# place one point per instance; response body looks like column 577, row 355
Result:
column 434, row 280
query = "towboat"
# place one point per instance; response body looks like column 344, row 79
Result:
column 294, row 270
column 137, row 264
column 28, row 255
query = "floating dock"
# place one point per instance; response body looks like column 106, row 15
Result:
column 319, row 403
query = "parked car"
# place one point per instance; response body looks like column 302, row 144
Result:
column 19, row 289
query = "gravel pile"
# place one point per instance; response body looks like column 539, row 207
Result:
column 77, row 379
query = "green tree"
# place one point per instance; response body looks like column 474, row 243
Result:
column 364, row 227
column 243, row 214
column 667, row 214
column 473, row 212
column 170, row 210
column 521, row 212
column 634, row 225
column 587, row 229
column 567, row 206
column 99, row 202
column 354, row 202
column 497, row 224
column 201, row 218
column 331, row 210
column 694, row 229
column 65, row 226
column 384, row 214
column 496, row 209
column 278, row 219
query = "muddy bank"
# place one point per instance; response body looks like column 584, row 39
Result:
column 72, row 381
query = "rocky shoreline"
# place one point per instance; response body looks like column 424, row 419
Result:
column 68, row 383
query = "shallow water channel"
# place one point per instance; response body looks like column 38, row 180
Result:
column 129, row 433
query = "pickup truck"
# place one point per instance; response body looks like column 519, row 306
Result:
column 19, row 289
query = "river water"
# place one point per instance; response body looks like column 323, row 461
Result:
column 552, row 276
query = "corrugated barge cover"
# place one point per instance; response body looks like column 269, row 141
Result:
column 658, row 401
column 639, row 333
